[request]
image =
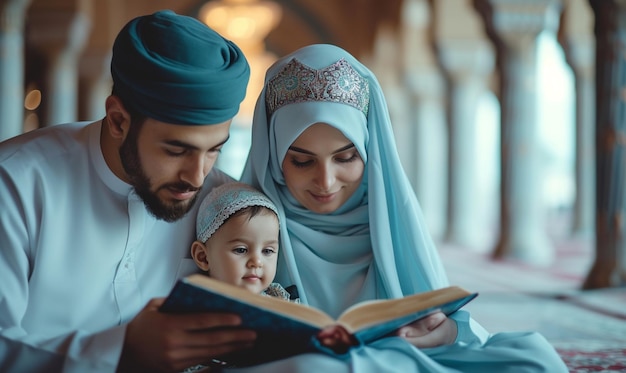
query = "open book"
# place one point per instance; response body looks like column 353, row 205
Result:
column 285, row 328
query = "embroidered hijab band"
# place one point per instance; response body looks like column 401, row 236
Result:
column 298, row 83
column 222, row 202
column 177, row 70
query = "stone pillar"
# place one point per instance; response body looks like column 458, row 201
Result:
column 427, row 167
column 578, row 42
column 95, row 63
column 468, row 59
column 514, row 26
column 468, row 64
column 385, row 64
column 12, row 14
column 609, row 267
column 95, row 84
column 60, row 35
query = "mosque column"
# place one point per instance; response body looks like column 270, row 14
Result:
column 12, row 15
column 609, row 267
column 60, row 34
column 95, row 83
column 426, row 132
column 514, row 26
column 384, row 62
column 578, row 42
column 468, row 59
column 467, row 64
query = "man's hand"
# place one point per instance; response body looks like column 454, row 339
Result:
column 432, row 331
column 160, row 342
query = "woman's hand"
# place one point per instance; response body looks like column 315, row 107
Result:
column 432, row 331
column 337, row 339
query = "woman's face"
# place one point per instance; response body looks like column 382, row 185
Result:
column 322, row 168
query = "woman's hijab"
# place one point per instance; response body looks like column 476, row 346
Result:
column 376, row 245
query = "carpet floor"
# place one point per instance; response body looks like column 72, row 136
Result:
column 587, row 327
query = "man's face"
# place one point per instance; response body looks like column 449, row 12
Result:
column 167, row 163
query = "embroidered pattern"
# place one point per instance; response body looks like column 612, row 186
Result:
column 297, row 82
column 276, row 290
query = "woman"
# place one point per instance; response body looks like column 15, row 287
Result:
column 351, row 228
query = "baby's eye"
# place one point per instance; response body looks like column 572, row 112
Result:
column 269, row 251
column 240, row 250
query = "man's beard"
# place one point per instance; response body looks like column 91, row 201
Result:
column 129, row 156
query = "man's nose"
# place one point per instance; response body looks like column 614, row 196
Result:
column 195, row 170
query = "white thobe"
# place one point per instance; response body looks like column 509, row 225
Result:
column 80, row 254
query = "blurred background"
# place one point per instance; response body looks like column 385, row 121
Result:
column 493, row 103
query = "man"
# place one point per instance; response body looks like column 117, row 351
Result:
column 96, row 218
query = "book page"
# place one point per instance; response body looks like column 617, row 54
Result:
column 373, row 312
column 288, row 309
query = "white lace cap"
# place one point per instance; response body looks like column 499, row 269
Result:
column 222, row 202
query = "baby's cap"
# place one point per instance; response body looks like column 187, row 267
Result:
column 225, row 200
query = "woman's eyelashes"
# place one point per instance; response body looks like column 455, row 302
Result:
column 342, row 158
column 348, row 158
column 300, row 164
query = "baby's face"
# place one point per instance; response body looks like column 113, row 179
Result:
column 244, row 251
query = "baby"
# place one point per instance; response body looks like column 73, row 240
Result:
column 237, row 239
column 237, row 242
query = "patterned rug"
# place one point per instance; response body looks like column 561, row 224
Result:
column 595, row 355
column 592, row 356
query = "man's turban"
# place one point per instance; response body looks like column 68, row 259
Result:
column 177, row 70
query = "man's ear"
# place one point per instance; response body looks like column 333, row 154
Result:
column 118, row 118
column 198, row 253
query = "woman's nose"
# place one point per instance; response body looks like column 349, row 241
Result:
column 325, row 177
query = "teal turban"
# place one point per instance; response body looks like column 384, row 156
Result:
column 177, row 70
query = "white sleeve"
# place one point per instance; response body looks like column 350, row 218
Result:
column 19, row 350
column 74, row 353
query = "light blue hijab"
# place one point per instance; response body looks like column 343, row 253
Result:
column 377, row 244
